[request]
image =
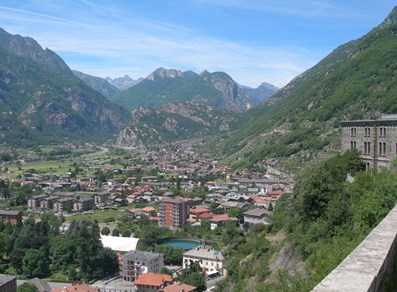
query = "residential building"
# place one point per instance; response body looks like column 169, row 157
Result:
column 196, row 212
column 8, row 283
column 64, row 204
column 48, row 202
column 375, row 139
column 83, row 204
column 257, row 215
column 152, row 282
column 210, row 260
column 173, row 213
column 137, row 262
column 10, row 217
column 76, row 288
column 100, row 198
column 221, row 220
column 34, row 202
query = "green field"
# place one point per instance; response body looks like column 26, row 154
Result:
column 100, row 216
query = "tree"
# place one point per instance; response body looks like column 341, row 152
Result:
column 115, row 232
column 197, row 280
column 35, row 263
column 165, row 271
column 105, row 231
column 27, row 287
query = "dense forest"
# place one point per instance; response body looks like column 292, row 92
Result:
column 37, row 249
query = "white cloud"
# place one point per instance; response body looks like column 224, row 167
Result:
column 133, row 45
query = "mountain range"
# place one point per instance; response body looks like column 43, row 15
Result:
column 261, row 93
column 99, row 84
column 163, row 86
column 42, row 101
column 123, row 83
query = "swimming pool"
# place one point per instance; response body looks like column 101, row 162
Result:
column 180, row 242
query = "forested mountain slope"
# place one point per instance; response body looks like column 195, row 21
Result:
column 357, row 80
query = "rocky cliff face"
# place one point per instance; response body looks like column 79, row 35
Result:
column 232, row 98
column 48, row 100
column 174, row 121
column 123, row 83
column 28, row 48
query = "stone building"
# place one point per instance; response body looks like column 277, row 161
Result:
column 376, row 140
column 8, row 283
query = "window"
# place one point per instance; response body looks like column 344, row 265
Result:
column 353, row 132
column 382, row 148
column 367, row 132
column 382, row 132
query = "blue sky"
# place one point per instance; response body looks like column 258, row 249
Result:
column 252, row 40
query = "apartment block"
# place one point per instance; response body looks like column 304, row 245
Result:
column 173, row 213
column 137, row 262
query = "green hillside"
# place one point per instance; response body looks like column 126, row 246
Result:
column 357, row 80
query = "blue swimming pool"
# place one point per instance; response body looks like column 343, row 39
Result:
column 182, row 243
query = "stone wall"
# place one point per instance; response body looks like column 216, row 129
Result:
column 369, row 264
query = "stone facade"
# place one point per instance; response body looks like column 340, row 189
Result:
column 375, row 139
column 8, row 283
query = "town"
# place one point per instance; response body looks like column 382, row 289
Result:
column 170, row 188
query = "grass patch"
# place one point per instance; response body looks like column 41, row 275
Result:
column 99, row 216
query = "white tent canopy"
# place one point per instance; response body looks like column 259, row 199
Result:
column 117, row 243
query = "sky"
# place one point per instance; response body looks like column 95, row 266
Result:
column 254, row 41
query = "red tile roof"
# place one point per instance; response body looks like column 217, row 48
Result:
column 152, row 279
column 206, row 215
column 199, row 210
column 76, row 288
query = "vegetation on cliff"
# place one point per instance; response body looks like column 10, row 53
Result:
column 323, row 221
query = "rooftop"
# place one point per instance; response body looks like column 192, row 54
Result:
column 179, row 288
column 204, row 252
column 152, row 279
column 257, row 212
column 119, row 243
column 141, row 255
column 76, row 288
column 6, row 278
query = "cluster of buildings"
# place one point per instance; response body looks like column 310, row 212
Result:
column 60, row 202
column 143, row 268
